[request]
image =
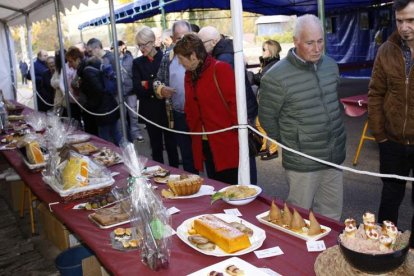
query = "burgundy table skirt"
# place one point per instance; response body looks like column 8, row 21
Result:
column 355, row 106
column 296, row 260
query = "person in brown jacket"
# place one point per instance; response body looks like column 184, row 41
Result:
column 391, row 109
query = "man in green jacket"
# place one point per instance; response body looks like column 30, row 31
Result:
column 299, row 107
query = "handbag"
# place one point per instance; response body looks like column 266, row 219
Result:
column 255, row 141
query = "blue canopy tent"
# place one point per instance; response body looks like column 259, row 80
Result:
column 141, row 9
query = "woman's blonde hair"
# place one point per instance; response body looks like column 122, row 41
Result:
column 274, row 47
column 144, row 35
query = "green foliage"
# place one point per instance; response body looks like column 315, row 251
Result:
column 286, row 37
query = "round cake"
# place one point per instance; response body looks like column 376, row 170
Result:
column 186, row 185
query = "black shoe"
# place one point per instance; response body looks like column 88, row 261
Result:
column 263, row 153
column 270, row 156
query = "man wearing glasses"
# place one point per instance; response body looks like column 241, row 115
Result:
column 169, row 85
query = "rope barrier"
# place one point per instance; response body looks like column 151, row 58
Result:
column 344, row 168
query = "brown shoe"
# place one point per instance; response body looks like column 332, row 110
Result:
column 270, row 156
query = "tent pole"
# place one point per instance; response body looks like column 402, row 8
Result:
column 120, row 87
column 237, row 25
column 81, row 35
column 62, row 57
column 321, row 15
column 163, row 19
column 13, row 75
column 30, row 56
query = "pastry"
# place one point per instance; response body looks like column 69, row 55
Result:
column 369, row 225
column 368, row 217
column 386, row 223
column 242, row 227
column 314, row 226
column 287, row 216
column 392, row 232
column 34, row 153
column 275, row 215
column 349, row 221
column 350, row 231
column 186, row 185
column 385, row 243
column 234, row 271
column 297, row 222
column 221, row 233
column 372, row 234
column 119, row 231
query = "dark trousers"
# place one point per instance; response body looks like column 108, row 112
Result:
column 89, row 123
column 156, row 136
column 229, row 176
column 396, row 159
column 184, row 142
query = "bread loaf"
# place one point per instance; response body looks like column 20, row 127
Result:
column 221, row 233
column 34, row 153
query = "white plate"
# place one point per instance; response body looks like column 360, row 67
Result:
column 204, row 190
column 302, row 236
column 246, row 267
column 96, row 158
column 259, row 235
column 77, row 138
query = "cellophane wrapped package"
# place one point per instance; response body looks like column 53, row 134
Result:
column 55, row 136
column 148, row 214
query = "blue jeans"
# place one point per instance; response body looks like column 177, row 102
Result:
column 111, row 132
column 184, row 142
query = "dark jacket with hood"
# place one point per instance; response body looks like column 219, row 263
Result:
column 97, row 99
column 265, row 65
column 223, row 51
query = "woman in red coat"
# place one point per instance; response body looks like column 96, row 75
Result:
column 210, row 105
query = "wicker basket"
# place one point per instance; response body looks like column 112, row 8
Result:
column 86, row 194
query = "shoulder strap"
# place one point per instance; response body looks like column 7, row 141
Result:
column 219, row 90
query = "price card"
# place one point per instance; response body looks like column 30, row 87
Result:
column 269, row 252
column 270, row 272
column 233, row 212
column 315, row 246
column 173, row 210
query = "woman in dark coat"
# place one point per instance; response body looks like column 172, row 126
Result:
column 144, row 71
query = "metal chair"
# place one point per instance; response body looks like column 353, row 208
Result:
column 362, row 140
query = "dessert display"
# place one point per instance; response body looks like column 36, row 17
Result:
column 107, row 157
column 85, row 148
column 12, row 140
column 233, row 266
column 184, row 186
column 369, row 237
column 100, row 201
column 371, row 247
column 224, row 235
column 75, row 173
column 110, row 217
column 221, row 235
column 34, row 153
column 155, row 171
column 124, row 239
column 237, row 194
column 293, row 223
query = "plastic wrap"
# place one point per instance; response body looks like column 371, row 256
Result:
column 147, row 213
column 36, row 120
column 57, row 131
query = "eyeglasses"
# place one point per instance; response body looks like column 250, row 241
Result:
column 204, row 42
column 144, row 45
column 264, row 49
